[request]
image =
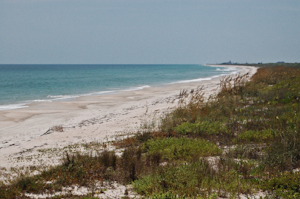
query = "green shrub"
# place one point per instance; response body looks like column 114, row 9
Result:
column 285, row 185
column 130, row 163
column 180, row 148
column 30, row 184
column 9, row 192
column 202, row 128
column 246, row 152
column 257, row 136
column 196, row 179
column 182, row 180
column 284, row 152
column 167, row 195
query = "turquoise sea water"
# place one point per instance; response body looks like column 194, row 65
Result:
column 24, row 84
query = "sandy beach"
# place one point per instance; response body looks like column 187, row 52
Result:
column 86, row 119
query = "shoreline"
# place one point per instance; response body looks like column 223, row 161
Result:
column 73, row 97
column 88, row 118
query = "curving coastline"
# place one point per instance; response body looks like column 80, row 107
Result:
column 88, row 118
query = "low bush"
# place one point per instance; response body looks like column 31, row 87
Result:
column 197, row 179
column 202, row 128
column 284, row 152
column 262, row 136
column 180, row 148
column 284, row 185
column 254, row 152
column 184, row 179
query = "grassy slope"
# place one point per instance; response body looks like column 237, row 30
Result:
column 242, row 140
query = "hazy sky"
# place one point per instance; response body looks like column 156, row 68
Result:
column 148, row 31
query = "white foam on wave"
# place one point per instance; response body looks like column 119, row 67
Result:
column 69, row 97
column 193, row 80
column 137, row 88
column 100, row 93
column 228, row 70
column 62, row 97
column 39, row 100
column 12, row 106
column 51, row 98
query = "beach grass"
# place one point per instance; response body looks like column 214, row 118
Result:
column 239, row 142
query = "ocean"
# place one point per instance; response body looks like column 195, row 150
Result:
column 24, row 84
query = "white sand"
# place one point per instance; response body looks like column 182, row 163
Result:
column 87, row 118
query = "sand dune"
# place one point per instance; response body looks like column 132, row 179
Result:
column 87, row 118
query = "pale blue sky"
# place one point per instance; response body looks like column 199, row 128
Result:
column 148, row 31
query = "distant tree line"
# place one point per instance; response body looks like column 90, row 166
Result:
column 260, row 64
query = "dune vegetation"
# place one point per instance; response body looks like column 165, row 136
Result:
column 243, row 141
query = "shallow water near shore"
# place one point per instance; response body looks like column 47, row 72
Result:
column 24, row 84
